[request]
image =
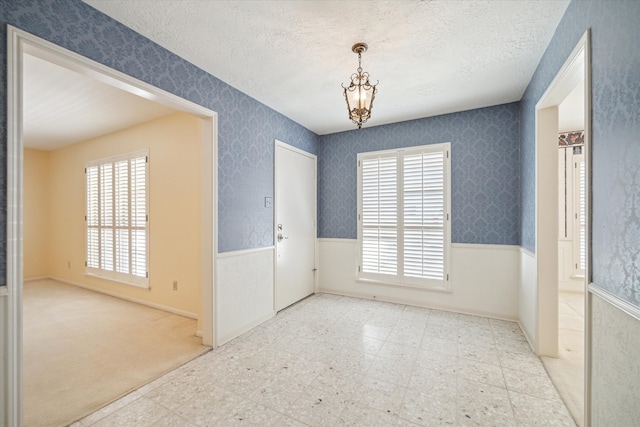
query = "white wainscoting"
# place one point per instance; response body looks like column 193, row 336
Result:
column 528, row 296
column 615, row 360
column 244, row 291
column 484, row 279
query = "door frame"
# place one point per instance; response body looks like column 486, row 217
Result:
column 577, row 67
column 20, row 42
column 279, row 144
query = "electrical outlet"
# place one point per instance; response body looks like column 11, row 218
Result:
column 175, row 285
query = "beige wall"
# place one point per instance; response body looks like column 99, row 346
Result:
column 36, row 213
column 174, row 144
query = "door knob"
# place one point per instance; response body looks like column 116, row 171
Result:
column 281, row 237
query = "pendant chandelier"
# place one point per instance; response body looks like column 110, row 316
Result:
column 360, row 92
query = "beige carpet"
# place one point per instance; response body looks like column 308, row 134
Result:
column 83, row 350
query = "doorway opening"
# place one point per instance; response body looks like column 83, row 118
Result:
column 22, row 45
column 562, row 233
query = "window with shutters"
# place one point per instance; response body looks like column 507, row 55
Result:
column 403, row 216
column 580, row 230
column 117, row 218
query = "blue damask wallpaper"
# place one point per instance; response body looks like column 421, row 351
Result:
column 485, row 163
column 615, row 86
column 246, row 128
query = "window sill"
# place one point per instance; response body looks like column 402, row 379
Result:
column 405, row 285
column 124, row 282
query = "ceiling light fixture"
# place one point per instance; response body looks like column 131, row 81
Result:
column 360, row 93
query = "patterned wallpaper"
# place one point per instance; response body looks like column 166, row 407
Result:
column 246, row 128
column 615, row 83
column 485, row 163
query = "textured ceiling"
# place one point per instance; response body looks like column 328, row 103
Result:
column 62, row 107
column 431, row 57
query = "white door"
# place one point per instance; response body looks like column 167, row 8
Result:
column 295, row 224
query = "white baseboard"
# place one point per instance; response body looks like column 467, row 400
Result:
column 527, row 337
column 127, row 298
column 414, row 304
column 223, row 339
column 34, row 279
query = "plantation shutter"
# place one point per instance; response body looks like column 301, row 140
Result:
column 139, row 216
column 581, row 217
column 424, row 210
column 121, row 231
column 380, row 215
column 93, row 241
column 403, row 221
column 106, row 216
column 117, row 218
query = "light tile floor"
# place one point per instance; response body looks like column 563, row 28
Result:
column 332, row 361
column 567, row 371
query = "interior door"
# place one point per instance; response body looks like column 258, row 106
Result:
column 295, row 224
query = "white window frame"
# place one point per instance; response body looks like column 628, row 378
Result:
column 399, row 279
column 113, row 275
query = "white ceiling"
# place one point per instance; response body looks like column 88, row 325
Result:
column 62, row 107
column 431, row 57
column 571, row 110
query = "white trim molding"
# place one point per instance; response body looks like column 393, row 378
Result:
column 336, row 240
column 527, row 252
column 243, row 252
column 484, row 246
column 575, row 72
column 12, row 406
column 20, row 42
column 615, row 300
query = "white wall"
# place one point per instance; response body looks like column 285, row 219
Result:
column 567, row 281
column 244, row 291
column 527, row 296
column 484, row 279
